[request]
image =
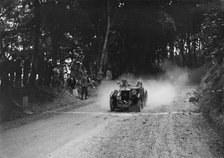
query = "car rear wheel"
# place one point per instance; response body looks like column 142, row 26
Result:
column 142, row 104
column 146, row 98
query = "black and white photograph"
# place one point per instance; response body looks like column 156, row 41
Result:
column 111, row 79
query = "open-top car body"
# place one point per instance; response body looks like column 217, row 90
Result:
column 128, row 97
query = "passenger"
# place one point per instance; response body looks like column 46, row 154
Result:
column 139, row 84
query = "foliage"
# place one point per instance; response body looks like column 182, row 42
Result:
column 41, row 34
column 213, row 34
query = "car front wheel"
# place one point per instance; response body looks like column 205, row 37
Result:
column 138, row 107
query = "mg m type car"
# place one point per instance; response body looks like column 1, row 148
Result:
column 128, row 97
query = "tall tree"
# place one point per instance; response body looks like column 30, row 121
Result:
column 104, row 55
column 36, row 54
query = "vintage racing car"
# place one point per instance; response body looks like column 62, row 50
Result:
column 128, row 97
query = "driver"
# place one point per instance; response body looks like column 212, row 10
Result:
column 125, row 83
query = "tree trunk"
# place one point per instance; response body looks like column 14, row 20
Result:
column 18, row 72
column 55, row 46
column 26, row 70
column 189, row 63
column 171, row 51
column 182, row 64
column 194, row 51
column 41, row 69
column 104, row 55
column 99, row 46
column 34, row 69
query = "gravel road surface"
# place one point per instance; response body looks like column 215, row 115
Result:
column 175, row 130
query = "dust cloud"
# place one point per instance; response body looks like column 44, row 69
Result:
column 164, row 89
column 103, row 93
column 161, row 90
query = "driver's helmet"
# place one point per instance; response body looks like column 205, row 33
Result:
column 115, row 92
column 124, row 83
column 139, row 84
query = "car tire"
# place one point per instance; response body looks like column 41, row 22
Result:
column 142, row 104
column 111, row 105
column 146, row 98
column 138, row 107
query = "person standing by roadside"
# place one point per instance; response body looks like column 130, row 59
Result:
column 84, row 86
column 108, row 75
column 61, row 76
column 71, row 84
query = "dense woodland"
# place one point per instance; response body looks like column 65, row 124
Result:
column 133, row 36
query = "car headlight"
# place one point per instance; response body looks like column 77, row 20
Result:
column 138, row 95
column 118, row 97
column 133, row 92
column 118, row 94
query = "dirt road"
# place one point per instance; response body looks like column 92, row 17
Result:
column 176, row 130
